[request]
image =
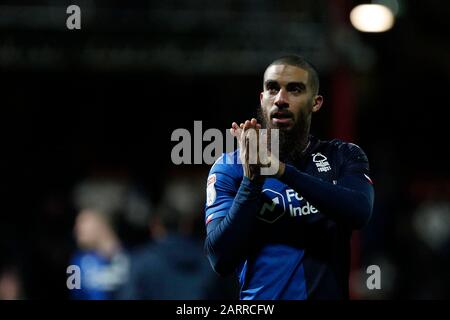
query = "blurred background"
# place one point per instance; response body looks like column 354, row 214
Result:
column 87, row 117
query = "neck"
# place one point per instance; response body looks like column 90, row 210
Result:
column 108, row 246
column 304, row 143
column 293, row 145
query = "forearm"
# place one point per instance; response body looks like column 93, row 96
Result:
column 348, row 203
column 227, row 241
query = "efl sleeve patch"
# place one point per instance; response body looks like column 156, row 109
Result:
column 210, row 217
column 211, row 193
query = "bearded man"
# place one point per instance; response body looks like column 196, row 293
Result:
column 287, row 235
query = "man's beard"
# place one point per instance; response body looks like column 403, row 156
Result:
column 292, row 141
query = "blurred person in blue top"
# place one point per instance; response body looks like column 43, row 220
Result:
column 102, row 261
column 101, row 256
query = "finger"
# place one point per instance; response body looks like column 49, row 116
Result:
column 234, row 128
column 236, row 132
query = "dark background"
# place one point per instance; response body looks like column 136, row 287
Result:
column 106, row 98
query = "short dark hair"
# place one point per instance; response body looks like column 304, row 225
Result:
column 300, row 62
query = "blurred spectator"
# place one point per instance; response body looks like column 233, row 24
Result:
column 174, row 266
column 105, row 205
column 430, row 251
column 431, row 223
column 101, row 259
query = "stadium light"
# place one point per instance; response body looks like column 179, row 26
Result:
column 372, row 18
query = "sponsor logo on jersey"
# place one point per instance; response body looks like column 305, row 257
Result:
column 303, row 209
column 274, row 208
column 277, row 204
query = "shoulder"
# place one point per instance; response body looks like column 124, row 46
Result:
column 346, row 150
column 228, row 164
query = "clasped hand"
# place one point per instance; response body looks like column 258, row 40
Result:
column 252, row 157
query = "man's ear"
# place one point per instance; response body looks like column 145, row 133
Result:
column 317, row 104
column 261, row 97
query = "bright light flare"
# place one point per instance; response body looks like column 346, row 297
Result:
column 372, row 18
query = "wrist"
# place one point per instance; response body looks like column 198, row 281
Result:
column 254, row 180
column 254, row 177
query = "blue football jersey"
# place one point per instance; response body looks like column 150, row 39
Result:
column 297, row 251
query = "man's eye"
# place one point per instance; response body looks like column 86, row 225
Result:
column 272, row 90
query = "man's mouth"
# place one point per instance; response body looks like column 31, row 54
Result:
column 282, row 118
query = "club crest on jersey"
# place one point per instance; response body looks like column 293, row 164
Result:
column 321, row 162
column 211, row 190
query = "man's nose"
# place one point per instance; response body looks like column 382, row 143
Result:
column 281, row 99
